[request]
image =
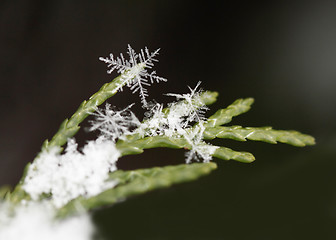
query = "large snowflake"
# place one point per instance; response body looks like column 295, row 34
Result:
column 134, row 71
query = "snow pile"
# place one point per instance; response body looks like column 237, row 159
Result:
column 73, row 174
column 36, row 222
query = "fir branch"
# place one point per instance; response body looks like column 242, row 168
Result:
column 264, row 134
column 140, row 181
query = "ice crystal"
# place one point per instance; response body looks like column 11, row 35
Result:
column 154, row 123
column 190, row 107
column 134, row 71
column 176, row 123
column 180, row 115
column 200, row 150
column 72, row 174
column 114, row 124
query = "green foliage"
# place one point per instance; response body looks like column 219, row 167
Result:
column 229, row 154
column 264, row 134
column 225, row 115
column 134, row 145
column 140, row 181
column 136, row 182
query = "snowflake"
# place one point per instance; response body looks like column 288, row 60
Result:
column 175, row 122
column 200, row 150
column 114, row 124
column 134, row 71
column 155, row 122
column 190, row 107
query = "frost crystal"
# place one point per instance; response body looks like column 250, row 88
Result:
column 154, row 123
column 176, row 123
column 114, row 124
column 72, row 174
column 190, row 106
column 180, row 115
column 134, row 71
column 200, row 150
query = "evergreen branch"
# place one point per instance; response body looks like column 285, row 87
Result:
column 134, row 144
column 264, row 134
column 70, row 127
column 140, row 181
column 81, row 180
column 225, row 115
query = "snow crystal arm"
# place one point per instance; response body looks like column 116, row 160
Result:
column 69, row 127
column 265, row 134
column 140, row 181
column 225, row 115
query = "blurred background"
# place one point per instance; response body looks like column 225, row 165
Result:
column 281, row 53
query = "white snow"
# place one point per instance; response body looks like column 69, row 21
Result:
column 73, row 174
column 36, row 221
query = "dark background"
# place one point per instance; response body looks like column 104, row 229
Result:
column 282, row 54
